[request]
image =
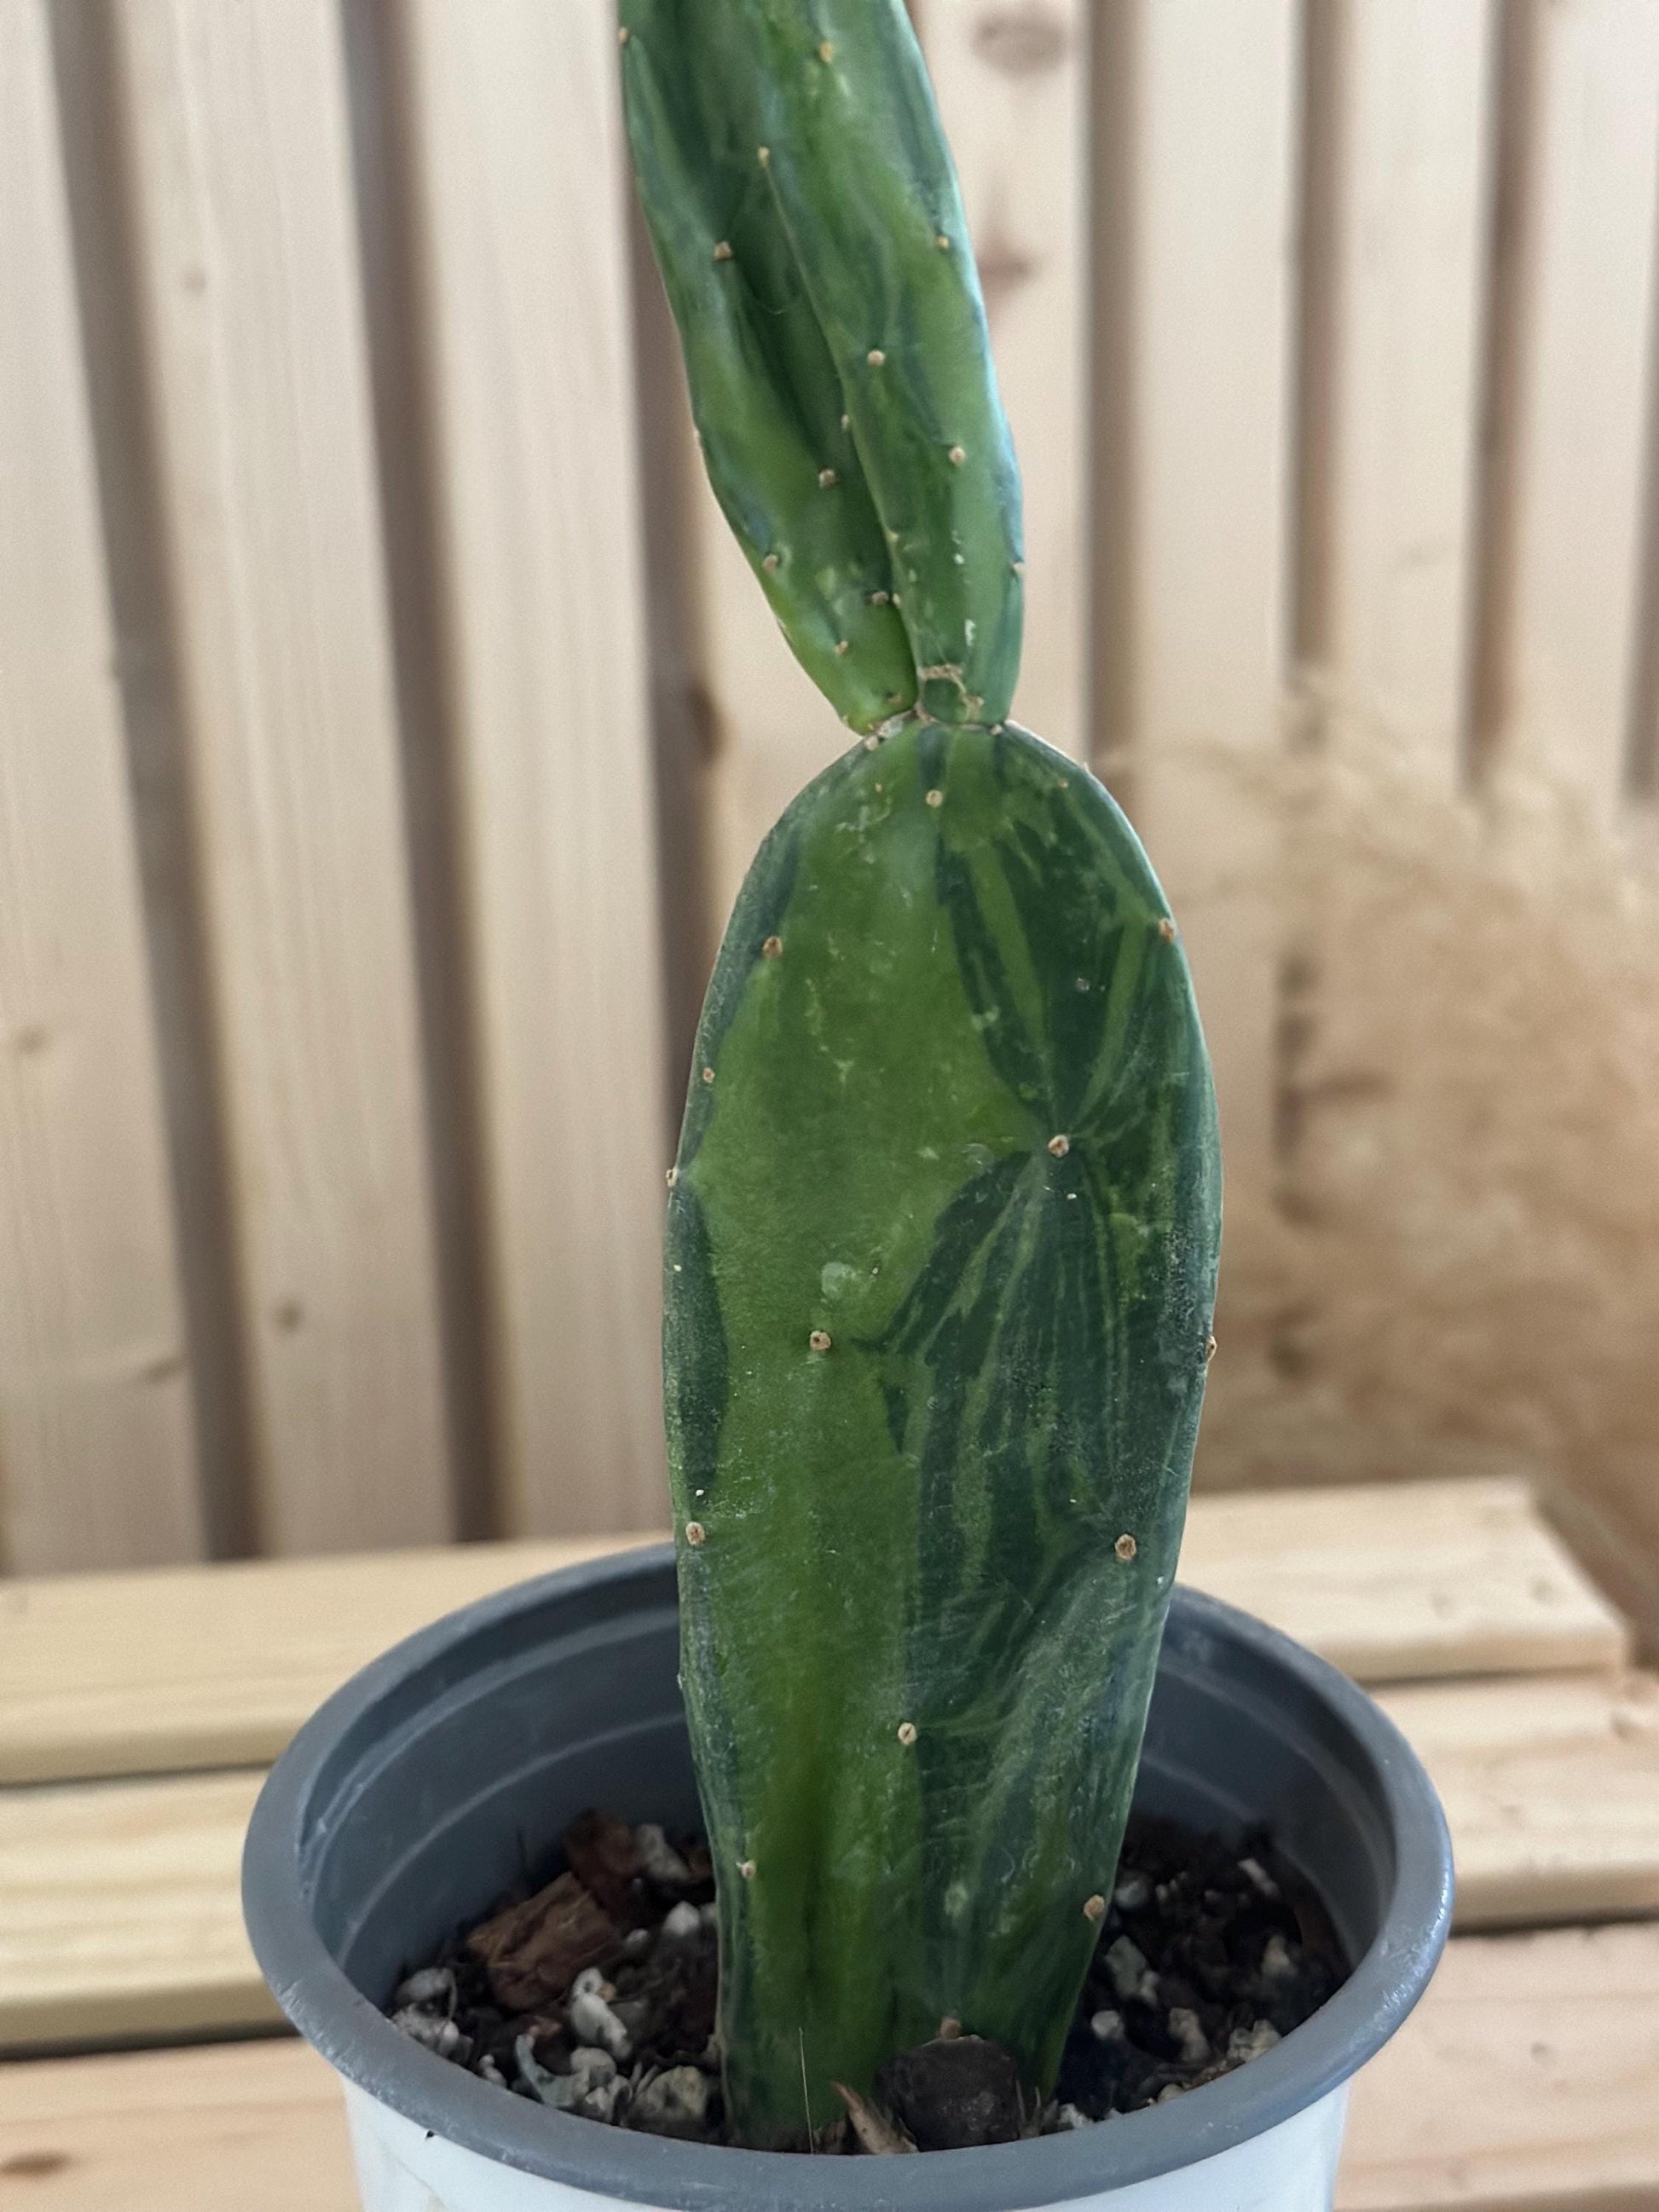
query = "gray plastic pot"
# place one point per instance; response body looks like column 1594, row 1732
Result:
column 424, row 1787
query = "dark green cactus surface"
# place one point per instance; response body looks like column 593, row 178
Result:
column 941, row 1261
column 811, row 236
column 943, row 1233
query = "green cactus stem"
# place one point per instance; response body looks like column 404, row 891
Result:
column 941, row 1262
column 809, row 228
column 942, row 1232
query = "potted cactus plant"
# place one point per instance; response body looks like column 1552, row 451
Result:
column 942, row 1238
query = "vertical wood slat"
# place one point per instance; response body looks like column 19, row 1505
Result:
column 1009, row 81
column 1583, row 438
column 1197, row 612
column 97, row 1456
column 527, row 286
column 251, row 298
column 1396, row 547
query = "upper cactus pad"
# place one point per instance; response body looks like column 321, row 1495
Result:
column 810, row 231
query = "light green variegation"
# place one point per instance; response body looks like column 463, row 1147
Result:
column 943, row 1231
column 811, row 236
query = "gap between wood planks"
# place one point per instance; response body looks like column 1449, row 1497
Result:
column 1501, row 2094
column 206, row 1667
column 124, row 1918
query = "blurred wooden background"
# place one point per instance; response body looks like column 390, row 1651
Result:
column 385, row 720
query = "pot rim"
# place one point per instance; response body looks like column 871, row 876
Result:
column 360, row 2043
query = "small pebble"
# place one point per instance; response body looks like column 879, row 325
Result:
column 433, row 1985
column 1126, row 1965
column 1255, row 1872
column 1277, row 1963
column 533, row 2075
column 489, row 2071
column 636, row 1942
column 1132, row 1892
column 675, row 2103
column 1188, row 2032
column 436, row 2033
column 1107, row 2026
column 1248, row 2043
column 684, row 1924
column 592, row 2022
column 1170, row 2093
column 661, row 1862
column 1069, row 2117
column 1148, row 1988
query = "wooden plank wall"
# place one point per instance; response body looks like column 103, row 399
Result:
column 353, row 763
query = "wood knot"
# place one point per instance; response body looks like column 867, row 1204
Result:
column 1021, row 41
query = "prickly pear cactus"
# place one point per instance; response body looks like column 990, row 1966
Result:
column 943, row 1228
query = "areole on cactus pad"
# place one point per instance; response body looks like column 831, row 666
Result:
column 944, row 1219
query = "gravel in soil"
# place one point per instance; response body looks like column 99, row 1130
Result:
column 595, row 1995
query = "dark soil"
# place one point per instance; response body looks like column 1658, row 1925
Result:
column 595, row 1995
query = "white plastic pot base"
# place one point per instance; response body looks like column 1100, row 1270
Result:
column 400, row 2168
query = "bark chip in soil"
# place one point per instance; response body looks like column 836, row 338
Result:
column 595, row 1994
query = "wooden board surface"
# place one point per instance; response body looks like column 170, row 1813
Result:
column 526, row 281
column 1551, row 1787
column 1501, row 2094
column 1584, row 428
column 252, row 314
column 140, row 1673
column 1524, row 2083
column 257, row 2126
column 1008, row 80
column 1390, row 557
column 123, row 1916
column 143, row 1673
column 94, row 1374
column 1394, row 1580
column 1192, row 626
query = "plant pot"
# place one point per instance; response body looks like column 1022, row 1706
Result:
column 425, row 1787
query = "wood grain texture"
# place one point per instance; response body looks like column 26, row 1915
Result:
column 123, row 1916
column 1503, row 2093
column 1198, row 622
column 253, row 321
column 1551, row 1788
column 526, row 280
column 97, row 1450
column 123, row 1911
column 1523, row 2083
column 260, row 2126
column 1583, row 435
column 1007, row 81
column 136, row 1673
column 106, row 1675
column 1402, row 407
column 1392, row 1582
